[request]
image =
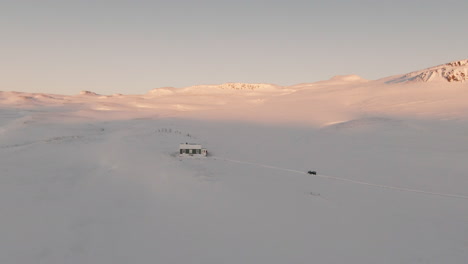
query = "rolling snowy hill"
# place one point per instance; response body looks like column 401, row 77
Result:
column 438, row 92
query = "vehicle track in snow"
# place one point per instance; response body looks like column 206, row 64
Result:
column 48, row 140
column 403, row 189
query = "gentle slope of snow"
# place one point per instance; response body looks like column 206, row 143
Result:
column 115, row 192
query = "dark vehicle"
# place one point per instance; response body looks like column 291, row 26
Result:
column 312, row 172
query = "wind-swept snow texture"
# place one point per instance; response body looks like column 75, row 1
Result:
column 96, row 179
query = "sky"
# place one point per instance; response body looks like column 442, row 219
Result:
column 133, row 46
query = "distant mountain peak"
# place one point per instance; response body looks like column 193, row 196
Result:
column 348, row 78
column 455, row 71
column 244, row 86
column 88, row 93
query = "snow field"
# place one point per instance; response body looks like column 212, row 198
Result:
column 116, row 192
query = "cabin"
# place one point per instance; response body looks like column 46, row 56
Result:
column 192, row 149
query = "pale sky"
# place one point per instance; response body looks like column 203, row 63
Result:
column 132, row 46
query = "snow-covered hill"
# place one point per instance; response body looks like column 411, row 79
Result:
column 342, row 98
column 226, row 88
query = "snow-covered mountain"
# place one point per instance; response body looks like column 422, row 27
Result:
column 226, row 88
column 456, row 71
column 438, row 92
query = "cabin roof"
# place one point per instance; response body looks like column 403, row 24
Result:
column 190, row 146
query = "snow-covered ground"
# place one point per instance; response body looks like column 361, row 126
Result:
column 97, row 179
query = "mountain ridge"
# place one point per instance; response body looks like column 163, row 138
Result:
column 455, row 71
column 341, row 98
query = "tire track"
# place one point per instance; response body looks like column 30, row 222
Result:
column 389, row 187
column 48, row 140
